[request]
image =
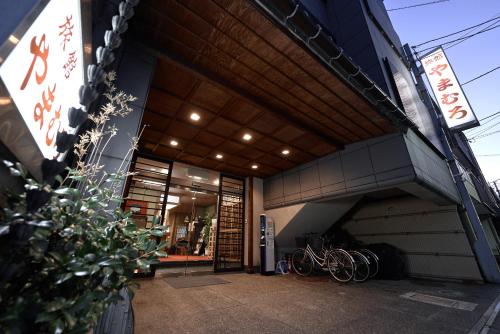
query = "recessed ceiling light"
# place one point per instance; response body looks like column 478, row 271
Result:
column 219, row 156
column 174, row 142
column 255, row 166
column 285, row 152
column 247, row 136
column 195, row 117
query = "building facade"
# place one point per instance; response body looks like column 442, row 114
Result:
column 312, row 112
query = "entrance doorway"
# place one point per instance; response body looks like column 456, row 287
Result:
column 191, row 215
column 202, row 210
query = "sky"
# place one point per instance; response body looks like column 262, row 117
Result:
column 469, row 59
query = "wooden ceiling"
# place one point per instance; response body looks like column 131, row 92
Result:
column 225, row 61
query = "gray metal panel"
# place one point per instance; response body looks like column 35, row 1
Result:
column 273, row 188
column 330, row 170
column 291, row 184
column 309, row 178
column 389, row 155
column 343, row 173
column 447, row 267
column 358, row 168
column 430, row 168
column 430, row 236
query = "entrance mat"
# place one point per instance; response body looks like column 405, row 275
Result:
column 194, row 281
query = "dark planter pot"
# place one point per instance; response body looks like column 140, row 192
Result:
column 118, row 318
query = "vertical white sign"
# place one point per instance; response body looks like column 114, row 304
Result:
column 45, row 70
column 456, row 110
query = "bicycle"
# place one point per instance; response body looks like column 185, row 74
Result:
column 373, row 259
column 338, row 262
column 362, row 265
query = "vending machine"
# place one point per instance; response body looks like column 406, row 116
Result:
column 267, row 261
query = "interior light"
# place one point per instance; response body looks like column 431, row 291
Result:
column 170, row 206
column 219, row 156
column 216, row 182
column 255, row 166
column 156, row 183
column 195, row 117
column 174, row 142
column 193, row 198
column 173, row 199
column 247, row 136
column 285, row 152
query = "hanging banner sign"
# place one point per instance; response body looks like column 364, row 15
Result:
column 454, row 106
column 45, row 70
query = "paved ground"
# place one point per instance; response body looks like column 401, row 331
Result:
column 289, row 304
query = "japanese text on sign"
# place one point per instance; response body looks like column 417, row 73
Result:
column 450, row 97
column 45, row 70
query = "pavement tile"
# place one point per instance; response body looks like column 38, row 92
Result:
column 291, row 304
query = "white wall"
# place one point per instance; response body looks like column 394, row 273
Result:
column 294, row 220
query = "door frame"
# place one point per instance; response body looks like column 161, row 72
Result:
column 216, row 253
column 126, row 190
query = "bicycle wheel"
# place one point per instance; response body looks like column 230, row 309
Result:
column 302, row 262
column 341, row 265
column 373, row 258
column 362, row 272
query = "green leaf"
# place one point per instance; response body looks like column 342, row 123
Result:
column 43, row 223
column 45, row 317
column 58, row 257
column 4, row 230
column 66, row 202
column 64, row 278
column 157, row 233
column 70, row 319
column 143, row 264
column 77, row 177
column 7, row 163
column 90, row 257
column 57, row 304
column 94, row 268
column 14, row 171
column 161, row 254
column 21, row 169
column 67, row 191
column 81, row 273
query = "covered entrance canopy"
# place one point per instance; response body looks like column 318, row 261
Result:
column 242, row 74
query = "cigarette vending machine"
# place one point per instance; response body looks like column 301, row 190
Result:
column 267, row 261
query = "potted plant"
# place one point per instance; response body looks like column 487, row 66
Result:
column 67, row 250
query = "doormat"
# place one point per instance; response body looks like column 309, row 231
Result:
column 194, row 281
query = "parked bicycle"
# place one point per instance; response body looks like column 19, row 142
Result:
column 361, row 265
column 374, row 261
column 337, row 261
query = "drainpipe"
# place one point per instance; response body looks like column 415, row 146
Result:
column 485, row 258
